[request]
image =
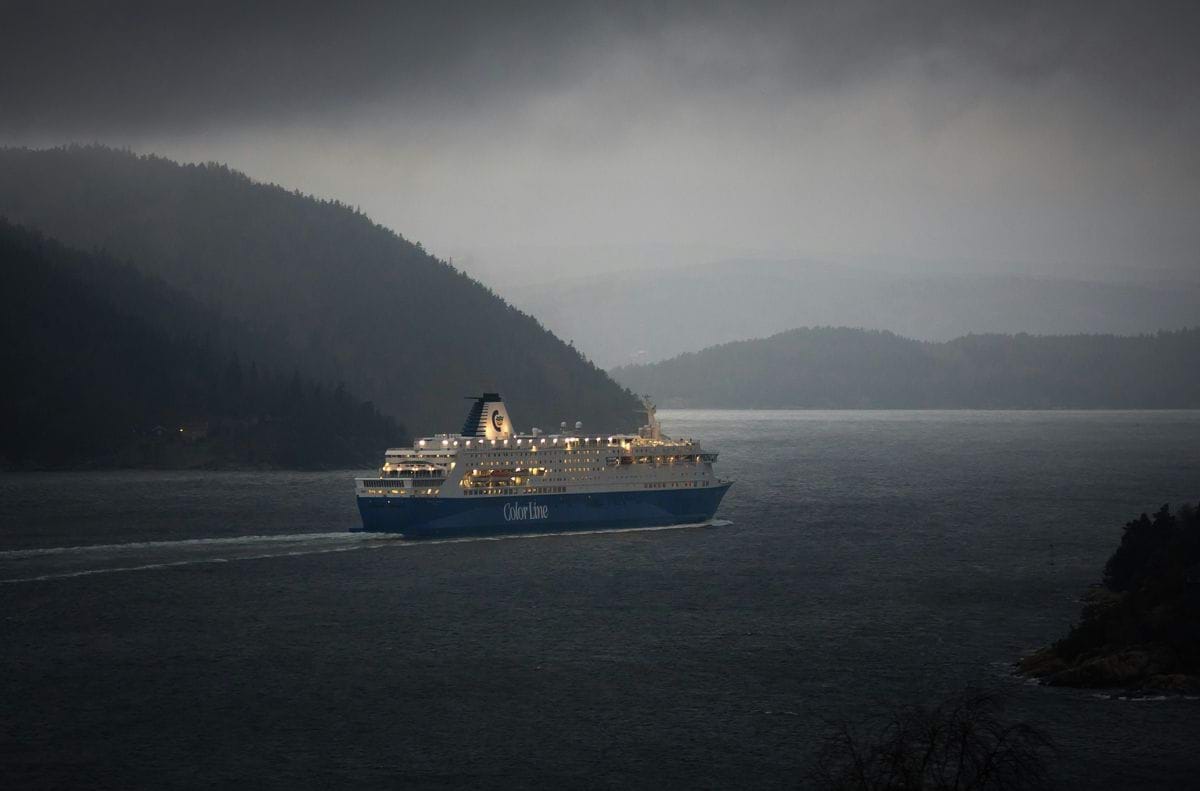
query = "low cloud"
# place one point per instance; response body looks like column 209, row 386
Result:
column 1047, row 133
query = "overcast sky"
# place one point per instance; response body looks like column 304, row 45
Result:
column 1053, row 138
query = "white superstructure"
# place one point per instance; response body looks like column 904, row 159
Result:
column 489, row 460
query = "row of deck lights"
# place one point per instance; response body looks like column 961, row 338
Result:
column 447, row 443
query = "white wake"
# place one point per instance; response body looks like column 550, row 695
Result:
column 81, row 561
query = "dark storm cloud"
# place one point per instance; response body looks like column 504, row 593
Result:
column 593, row 135
column 151, row 66
column 92, row 69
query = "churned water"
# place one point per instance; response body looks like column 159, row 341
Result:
column 208, row 629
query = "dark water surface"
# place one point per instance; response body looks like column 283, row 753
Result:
column 208, row 629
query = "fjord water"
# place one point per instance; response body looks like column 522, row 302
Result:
column 196, row 629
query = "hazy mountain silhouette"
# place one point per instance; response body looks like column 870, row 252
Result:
column 104, row 365
column 345, row 299
column 827, row 367
column 630, row 318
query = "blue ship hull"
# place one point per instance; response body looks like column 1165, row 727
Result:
column 424, row 517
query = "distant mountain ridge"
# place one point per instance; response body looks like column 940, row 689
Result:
column 107, row 367
column 843, row 368
column 631, row 318
column 340, row 297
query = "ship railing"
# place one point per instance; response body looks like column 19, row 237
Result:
column 400, row 483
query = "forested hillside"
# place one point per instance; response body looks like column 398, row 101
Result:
column 1139, row 629
column 345, row 299
column 104, row 366
column 843, row 368
column 653, row 316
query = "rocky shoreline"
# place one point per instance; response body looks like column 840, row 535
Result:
column 1140, row 629
column 1137, row 670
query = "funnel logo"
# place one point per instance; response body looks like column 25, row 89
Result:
column 497, row 420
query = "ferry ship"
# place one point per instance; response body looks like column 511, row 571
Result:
column 489, row 478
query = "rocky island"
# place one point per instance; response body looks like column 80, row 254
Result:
column 1140, row 628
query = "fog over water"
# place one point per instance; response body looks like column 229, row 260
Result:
column 1050, row 139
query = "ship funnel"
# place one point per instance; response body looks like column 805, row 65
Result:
column 488, row 418
column 652, row 429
